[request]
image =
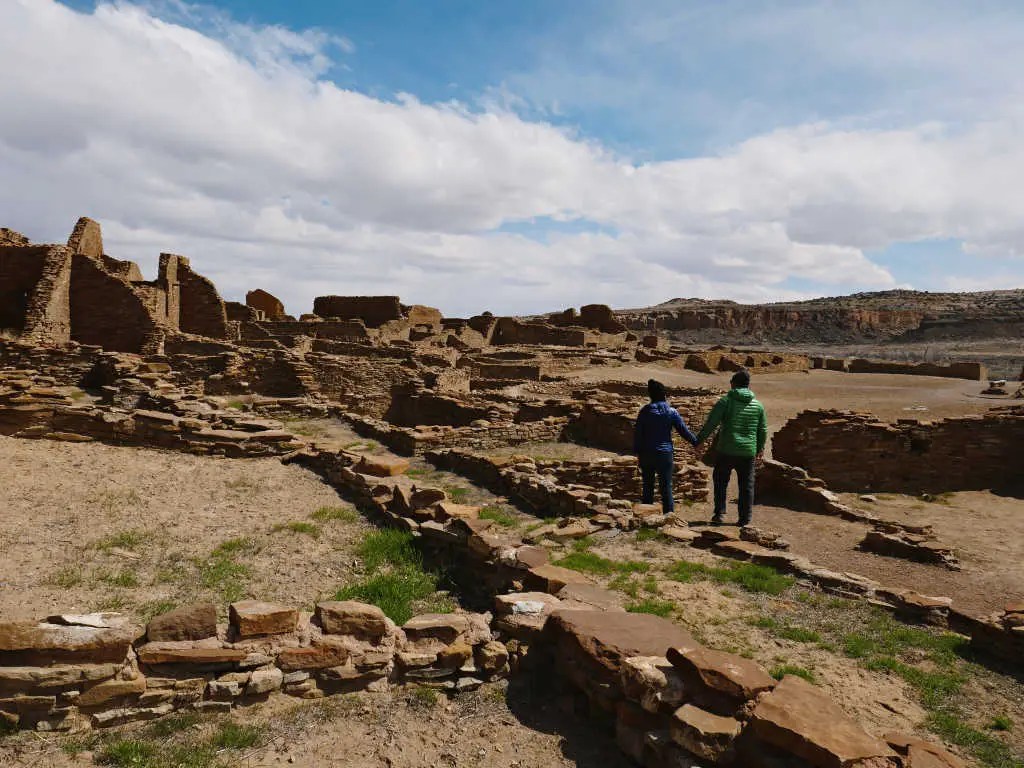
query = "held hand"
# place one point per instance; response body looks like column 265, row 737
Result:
column 759, row 459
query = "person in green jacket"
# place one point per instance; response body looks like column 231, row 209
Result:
column 740, row 446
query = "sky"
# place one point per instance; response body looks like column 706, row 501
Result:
column 525, row 157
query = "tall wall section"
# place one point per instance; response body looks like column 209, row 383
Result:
column 856, row 452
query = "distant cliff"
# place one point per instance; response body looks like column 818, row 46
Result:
column 863, row 317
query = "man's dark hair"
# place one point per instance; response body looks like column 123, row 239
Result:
column 740, row 379
column 655, row 390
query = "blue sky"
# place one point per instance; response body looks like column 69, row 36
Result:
column 624, row 152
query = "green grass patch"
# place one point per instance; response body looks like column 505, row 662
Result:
column 221, row 570
column 129, row 753
column 782, row 670
column 987, row 749
column 388, row 546
column 122, row 540
column 748, row 576
column 591, row 562
column 235, row 405
column 395, row 592
column 652, row 534
column 172, row 724
column 232, row 735
column 663, row 608
column 123, row 578
column 339, row 514
column 499, row 515
column 297, row 526
column 456, row 493
column 68, row 577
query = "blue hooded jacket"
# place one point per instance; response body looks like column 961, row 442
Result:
column 654, row 425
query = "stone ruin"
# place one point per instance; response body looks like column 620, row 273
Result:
column 158, row 359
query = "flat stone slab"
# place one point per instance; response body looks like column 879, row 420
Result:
column 702, row 733
column 610, row 637
column 802, row 720
column 382, row 466
column 552, row 578
column 725, row 673
column 24, row 643
column 251, row 618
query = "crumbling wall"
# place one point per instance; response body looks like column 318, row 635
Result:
column 87, row 238
column 857, row 452
column 106, row 311
column 373, row 310
column 267, row 303
column 970, row 371
column 34, row 284
column 509, row 330
column 202, row 309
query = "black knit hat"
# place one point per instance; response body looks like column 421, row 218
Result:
column 655, row 390
column 740, row 379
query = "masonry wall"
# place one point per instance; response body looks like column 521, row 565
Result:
column 202, row 309
column 105, row 311
column 373, row 310
column 857, row 452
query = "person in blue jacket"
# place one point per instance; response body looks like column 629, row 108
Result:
column 652, row 443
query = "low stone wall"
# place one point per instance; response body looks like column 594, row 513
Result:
column 73, row 672
column 857, row 452
column 963, row 370
column 417, row 441
column 722, row 360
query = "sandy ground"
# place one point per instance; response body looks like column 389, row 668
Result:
column 784, row 395
column 521, row 727
column 91, row 526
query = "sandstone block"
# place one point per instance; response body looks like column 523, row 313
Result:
column 188, row 622
column 802, row 720
column 382, row 466
column 25, row 643
column 704, row 734
column 264, row 681
column 32, row 680
column 447, row 628
column 552, row 578
column 491, row 657
column 111, row 689
column 725, row 673
column 653, row 682
column 918, row 753
column 319, row 656
column 251, row 618
column 348, row 617
column 188, row 652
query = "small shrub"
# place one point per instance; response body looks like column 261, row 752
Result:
column 222, row 572
column 341, row 514
column 235, row 736
column 1000, row 723
column 663, row 608
column 423, row 696
column 499, row 515
column 112, row 603
column 782, row 670
column 988, row 749
column 296, row 526
column 155, row 607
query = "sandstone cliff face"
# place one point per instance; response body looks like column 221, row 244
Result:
column 861, row 317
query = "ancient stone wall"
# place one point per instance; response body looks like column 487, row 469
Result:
column 107, row 312
column 34, row 299
column 372, row 310
column 509, row 330
column 202, row 309
column 970, row 371
column 719, row 360
column 360, row 384
column 267, row 303
column 857, row 452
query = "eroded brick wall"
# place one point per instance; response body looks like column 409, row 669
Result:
column 202, row 309
column 106, row 311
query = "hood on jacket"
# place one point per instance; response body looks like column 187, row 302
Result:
column 741, row 395
column 659, row 406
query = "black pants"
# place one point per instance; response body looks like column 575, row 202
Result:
column 744, row 466
column 658, row 464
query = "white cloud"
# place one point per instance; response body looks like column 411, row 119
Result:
column 223, row 142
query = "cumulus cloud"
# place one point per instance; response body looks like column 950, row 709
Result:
column 227, row 143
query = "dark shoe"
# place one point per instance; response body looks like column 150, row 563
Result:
column 743, row 523
column 717, row 520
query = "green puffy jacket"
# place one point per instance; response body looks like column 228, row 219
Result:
column 744, row 424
